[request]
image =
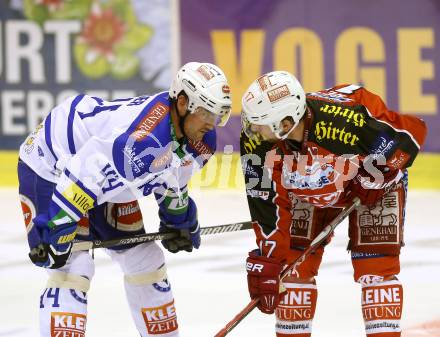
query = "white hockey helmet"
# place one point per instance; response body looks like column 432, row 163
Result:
column 206, row 86
column 271, row 98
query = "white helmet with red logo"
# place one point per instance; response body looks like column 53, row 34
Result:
column 270, row 99
column 206, row 86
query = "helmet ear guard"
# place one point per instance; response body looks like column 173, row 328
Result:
column 273, row 97
column 205, row 85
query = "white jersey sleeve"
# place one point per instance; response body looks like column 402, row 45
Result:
column 70, row 125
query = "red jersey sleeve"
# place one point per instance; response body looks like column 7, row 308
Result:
column 276, row 243
column 399, row 136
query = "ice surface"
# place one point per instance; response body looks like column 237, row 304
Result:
column 210, row 284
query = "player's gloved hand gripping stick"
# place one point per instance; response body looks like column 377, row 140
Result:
column 185, row 226
column 325, row 234
column 54, row 234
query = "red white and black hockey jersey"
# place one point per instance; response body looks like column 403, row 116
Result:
column 344, row 126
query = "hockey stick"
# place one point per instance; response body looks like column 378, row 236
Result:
column 86, row 245
column 325, row 234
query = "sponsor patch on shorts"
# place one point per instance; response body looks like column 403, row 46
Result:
column 302, row 218
column 380, row 224
column 160, row 320
column 125, row 216
column 67, row 324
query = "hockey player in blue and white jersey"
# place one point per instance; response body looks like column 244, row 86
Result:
column 81, row 173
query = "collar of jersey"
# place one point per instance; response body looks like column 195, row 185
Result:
column 182, row 141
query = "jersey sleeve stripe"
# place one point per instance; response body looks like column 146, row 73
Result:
column 47, row 126
column 100, row 101
column 122, row 99
column 61, row 201
column 80, row 184
column 71, row 117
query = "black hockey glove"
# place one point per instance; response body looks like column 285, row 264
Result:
column 46, row 256
column 53, row 247
column 187, row 231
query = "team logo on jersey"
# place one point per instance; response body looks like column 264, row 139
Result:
column 29, row 144
column 160, row 320
column 226, row 89
column 125, row 216
column 134, row 160
column 67, row 324
column 29, row 211
column 382, row 146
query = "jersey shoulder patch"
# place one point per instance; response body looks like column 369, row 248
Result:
column 146, row 140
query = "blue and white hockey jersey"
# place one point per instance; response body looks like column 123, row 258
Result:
column 97, row 151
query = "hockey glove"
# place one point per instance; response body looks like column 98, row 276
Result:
column 187, row 229
column 53, row 245
column 263, row 276
column 370, row 190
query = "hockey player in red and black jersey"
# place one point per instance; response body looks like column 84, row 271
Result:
column 305, row 157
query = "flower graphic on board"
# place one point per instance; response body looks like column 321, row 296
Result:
column 52, row 5
column 102, row 29
column 110, row 36
column 109, row 39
